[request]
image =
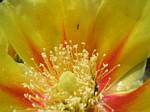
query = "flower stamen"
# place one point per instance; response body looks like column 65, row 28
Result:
column 67, row 79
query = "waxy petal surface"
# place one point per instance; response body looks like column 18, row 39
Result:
column 136, row 48
column 10, row 71
column 114, row 22
column 122, row 31
column 131, row 81
column 36, row 25
column 11, row 78
column 32, row 26
column 79, row 19
column 8, row 103
column 136, row 101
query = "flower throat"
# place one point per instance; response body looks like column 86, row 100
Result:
column 67, row 81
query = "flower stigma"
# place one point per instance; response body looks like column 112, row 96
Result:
column 67, row 81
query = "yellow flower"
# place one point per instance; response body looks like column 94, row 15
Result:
column 78, row 55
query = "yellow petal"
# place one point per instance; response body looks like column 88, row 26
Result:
column 14, row 98
column 8, row 103
column 79, row 16
column 10, row 71
column 142, row 98
column 136, row 48
column 136, row 101
column 36, row 25
column 131, row 81
column 115, row 20
column 32, row 26
column 11, row 78
column 123, row 34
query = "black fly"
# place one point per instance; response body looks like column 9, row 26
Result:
column 78, row 26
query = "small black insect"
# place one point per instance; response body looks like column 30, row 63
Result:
column 78, row 26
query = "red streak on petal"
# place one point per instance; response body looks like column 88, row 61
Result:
column 115, row 53
column 91, row 40
column 35, row 52
column 18, row 94
column 64, row 36
column 37, row 55
column 111, row 60
column 120, row 103
column 103, row 83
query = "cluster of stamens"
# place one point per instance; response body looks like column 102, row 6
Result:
column 66, row 81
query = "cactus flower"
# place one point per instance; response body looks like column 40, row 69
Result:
column 74, row 55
